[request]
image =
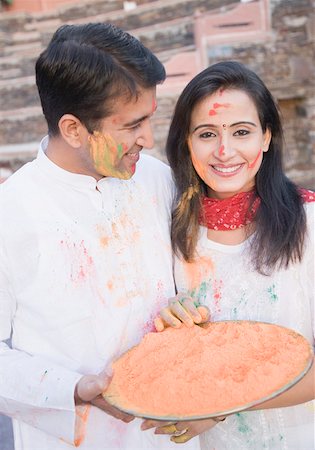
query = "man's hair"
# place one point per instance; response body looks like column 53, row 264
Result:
column 85, row 67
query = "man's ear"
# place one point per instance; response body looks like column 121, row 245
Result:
column 72, row 130
column 267, row 139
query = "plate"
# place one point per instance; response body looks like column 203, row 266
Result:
column 209, row 371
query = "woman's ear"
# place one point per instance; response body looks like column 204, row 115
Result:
column 72, row 130
column 266, row 140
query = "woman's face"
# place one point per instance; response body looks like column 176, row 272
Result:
column 226, row 142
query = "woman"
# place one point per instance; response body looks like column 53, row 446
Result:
column 243, row 236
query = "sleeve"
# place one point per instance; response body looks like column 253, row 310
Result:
column 32, row 389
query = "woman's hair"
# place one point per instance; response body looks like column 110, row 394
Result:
column 86, row 67
column 280, row 222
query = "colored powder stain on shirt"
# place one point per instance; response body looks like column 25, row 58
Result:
column 82, row 264
column 160, row 302
column 242, row 427
column 272, row 294
column 241, row 303
column 104, row 241
column 82, row 414
column 217, row 294
column 197, row 272
column 43, row 376
column 200, row 293
column 221, row 367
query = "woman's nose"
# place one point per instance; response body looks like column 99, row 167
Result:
column 224, row 147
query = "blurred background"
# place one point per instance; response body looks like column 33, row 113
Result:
column 276, row 38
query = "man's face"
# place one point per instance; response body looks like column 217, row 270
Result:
column 114, row 150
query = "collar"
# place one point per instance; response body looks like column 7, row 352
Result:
column 76, row 180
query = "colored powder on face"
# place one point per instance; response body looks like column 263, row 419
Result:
column 212, row 112
column 221, row 105
column 251, row 165
column 221, row 150
column 107, row 155
column 193, row 372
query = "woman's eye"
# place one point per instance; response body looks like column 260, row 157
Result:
column 241, row 133
column 207, row 134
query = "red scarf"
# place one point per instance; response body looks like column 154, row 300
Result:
column 237, row 211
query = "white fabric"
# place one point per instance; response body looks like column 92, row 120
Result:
column 84, row 268
column 223, row 280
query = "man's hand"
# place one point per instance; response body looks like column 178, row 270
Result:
column 89, row 389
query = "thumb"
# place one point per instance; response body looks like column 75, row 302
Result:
column 90, row 386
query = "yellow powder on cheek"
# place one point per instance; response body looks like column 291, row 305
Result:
column 197, row 371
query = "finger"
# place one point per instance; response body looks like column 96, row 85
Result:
column 148, row 423
column 180, row 311
column 167, row 429
column 169, row 319
column 204, row 311
column 190, row 306
column 159, row 324
column 102, row 404
column 181, row 426
column 181, row 439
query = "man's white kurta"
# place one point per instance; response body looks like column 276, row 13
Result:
column 84, row 268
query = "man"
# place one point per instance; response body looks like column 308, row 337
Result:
column 85, row 257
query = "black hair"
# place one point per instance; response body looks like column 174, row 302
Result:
column 280, row 222
column 85, row 67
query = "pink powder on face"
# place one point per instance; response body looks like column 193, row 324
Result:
column 251, row 165
column 221, row 105
column 221, row 150
column 193, row 372
column 212, row 112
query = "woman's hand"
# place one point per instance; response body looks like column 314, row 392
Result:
column 181, row 432
column 181, row 309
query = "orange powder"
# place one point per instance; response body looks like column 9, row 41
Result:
column 194, row 372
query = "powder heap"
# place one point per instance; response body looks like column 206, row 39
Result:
column 194, row 372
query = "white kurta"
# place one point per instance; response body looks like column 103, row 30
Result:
column 84, row 268
column 223, row 280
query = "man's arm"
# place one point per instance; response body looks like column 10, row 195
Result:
column 33, row 389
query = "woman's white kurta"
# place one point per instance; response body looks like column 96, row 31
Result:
column 223, row 279
column 84, row 268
